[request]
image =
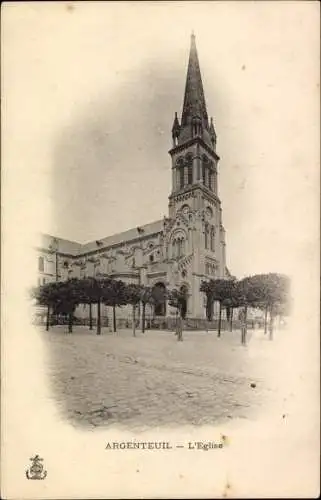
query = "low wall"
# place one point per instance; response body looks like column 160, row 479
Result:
column 158, row 323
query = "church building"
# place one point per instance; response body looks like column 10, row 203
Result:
column 177, row 251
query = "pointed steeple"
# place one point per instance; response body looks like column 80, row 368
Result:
column 176, row 125
column 194, row 122
column 194, row 100
column 175, row 130
column 212, row 132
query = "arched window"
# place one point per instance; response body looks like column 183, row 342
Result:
column 212, row 243
column 180, row 173
column 206, row 235
column 185, row 209
column 182, row 246
column 210, row 180
column 186, row 175
column 190, row 173
column 179, row 247
column 177, row 178
column 196, row 126
column 205, row 165
column 214, row 178
column 189, row 163
column 181, row 176
column 174, row 249
column 198, row 170
column 159, row 295
column 41, row 264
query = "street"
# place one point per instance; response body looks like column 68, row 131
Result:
column 153, row 380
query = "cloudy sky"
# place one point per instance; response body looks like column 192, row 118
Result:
column 90, row 94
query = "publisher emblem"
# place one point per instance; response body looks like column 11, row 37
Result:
column 36, row 470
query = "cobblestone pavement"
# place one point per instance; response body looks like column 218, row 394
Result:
column 152, row 380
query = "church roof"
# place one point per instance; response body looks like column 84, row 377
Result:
column 135, row 233
column 73, row 248
column 62, row 245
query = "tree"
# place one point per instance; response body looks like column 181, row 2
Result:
column 146, row 298
column 207, row 289
column 67, row 298
column 177, row 299
column 133, row 294
column 269, row 292
column 115, row 296
column 46, row 295
column 231, row 303
column 86, row 286
column 92, row 291
column 158, row 296
column 220, row 290
column 246, row 294
column 275, row 289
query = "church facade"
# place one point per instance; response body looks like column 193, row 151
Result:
column 177, row 251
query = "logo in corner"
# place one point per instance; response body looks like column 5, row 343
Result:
column 36, row 470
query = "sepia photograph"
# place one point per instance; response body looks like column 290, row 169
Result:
column 160, row 250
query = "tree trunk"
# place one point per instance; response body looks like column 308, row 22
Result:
column 209, row 309
column 48, row 318
column 70, row 321
column 176, row 322
column 98, row 318
column 134, row 320
column 219, row 321
column 271, row 324
column 231, row 319
column 114, row 318
column 265, row 320
column 143, row 316
column 180, row 329
column 244, row 325
column 90, row 316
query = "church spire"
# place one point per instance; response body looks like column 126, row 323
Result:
column 194, row 100
column 194, row 123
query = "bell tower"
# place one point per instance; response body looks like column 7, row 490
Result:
column 193, row 153
column 194, row 204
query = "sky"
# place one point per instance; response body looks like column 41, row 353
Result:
column 90, row 91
